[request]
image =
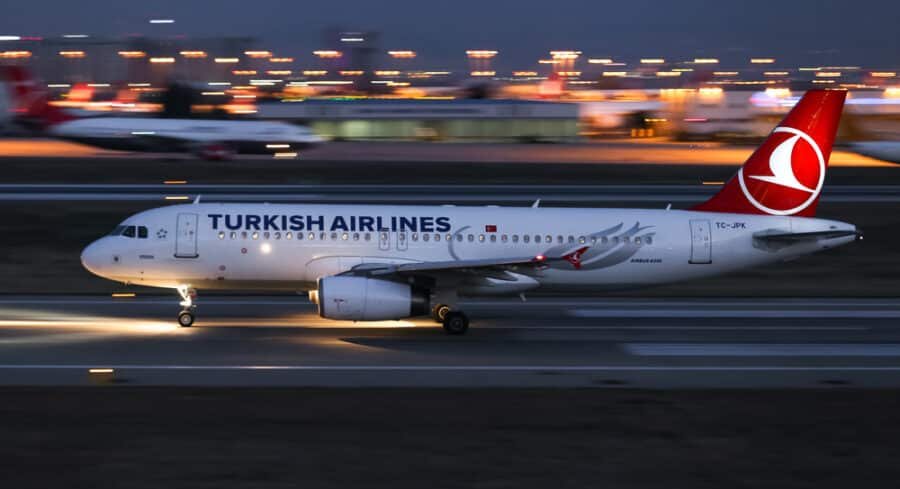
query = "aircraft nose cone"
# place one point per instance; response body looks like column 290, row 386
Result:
column 90, row 258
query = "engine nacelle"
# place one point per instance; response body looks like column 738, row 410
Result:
column 367, row 299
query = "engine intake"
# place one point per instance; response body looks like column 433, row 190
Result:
column 367, row 299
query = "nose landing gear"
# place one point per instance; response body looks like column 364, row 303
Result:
column 186, row 316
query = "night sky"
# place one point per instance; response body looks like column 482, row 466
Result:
column 795, row 31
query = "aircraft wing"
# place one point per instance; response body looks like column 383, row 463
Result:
column 460, row 266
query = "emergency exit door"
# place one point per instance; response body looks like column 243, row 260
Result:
column 701, row 242
column 186, row 236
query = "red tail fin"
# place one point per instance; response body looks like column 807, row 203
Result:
column 785, row 175
column 29, row 101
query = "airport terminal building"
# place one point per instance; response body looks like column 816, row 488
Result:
column 471, row 119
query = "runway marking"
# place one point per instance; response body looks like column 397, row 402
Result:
column 735, row 313
column 462, row 368
column 764, row 349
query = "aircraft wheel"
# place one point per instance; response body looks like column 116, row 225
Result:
column 439, row 312
column 456, row 323
column 185, row 319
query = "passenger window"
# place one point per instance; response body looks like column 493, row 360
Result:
column 334, row 236
column 526, row 238
column 515, row 238
column 129, row 232
column 426, row 237
column 221, row 234
column 593, row 240
column 605, row 240
column 233, row 235
column 648, row 240
column 142, row 232
column 549, row 239
column 415, row 236
column 481, row 238
column 355, row 236
column 437, row 237
column 582, row 240
column 255, row 235
column 266, row 235
column 504, row 238
column 537, row 238
column 312, row 236
column 559, row 238
column 571, row 239
column 471, row 238
column 345, row 236
column 493, row 238
column 637, row 240
column 368, row 237
column 288, row 235
column 243, row 234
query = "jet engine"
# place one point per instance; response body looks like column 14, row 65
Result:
column 367, row 299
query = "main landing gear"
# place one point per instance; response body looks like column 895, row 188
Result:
column 186, row 316
column 455, row 322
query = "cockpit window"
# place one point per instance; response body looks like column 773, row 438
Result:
column 142, row 232
column 129, row 232
column 117, row 231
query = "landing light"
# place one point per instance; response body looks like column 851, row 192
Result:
column 266, row 248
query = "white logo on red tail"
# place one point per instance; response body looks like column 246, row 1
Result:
column 781, row 164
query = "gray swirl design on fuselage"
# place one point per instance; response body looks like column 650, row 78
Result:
column 617, row 248
column 453, row 240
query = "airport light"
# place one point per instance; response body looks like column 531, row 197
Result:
column 227, row 60
column 565, row 55
column 668, row 74
column 15, row 54
column 483, row 73
column 162, row 21
column 281, row 60
column 725, row 73
column 892, row 92
column 258, row 54
column 72, row 54
column 279, row 72
column 10, row 38
column 525, row 73
column 243, row 72
column 776, row 73
column 600, row 61
column 828, row 74
column 706, row 61
column 328, row 53
column 193, row 54
column 652, row 61
column 883, row 74
column 615, row 74
column 162, row 60
column 314, row 72
column 58, row 85
column 402, row 54
column 351, row 72
column 132, row 54
column 75, row 36
column 481, row 53
column 548, row 61
column 762, row 61
column 387, row 73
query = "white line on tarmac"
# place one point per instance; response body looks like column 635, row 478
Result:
column 763, row 349
column 734, row 313
column 461, row 368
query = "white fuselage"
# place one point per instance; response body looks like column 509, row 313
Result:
column 289, row 247
column 155, row 134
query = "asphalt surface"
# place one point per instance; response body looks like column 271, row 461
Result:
column 280, row 341
column 411, row 194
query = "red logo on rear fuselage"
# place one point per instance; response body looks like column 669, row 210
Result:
column 789, row 179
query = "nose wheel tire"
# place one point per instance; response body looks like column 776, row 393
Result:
column 185, row 319
column 456, row 323
column 439, row 312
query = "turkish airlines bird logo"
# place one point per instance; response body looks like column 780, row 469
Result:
column 796, row 173
column 781, row 163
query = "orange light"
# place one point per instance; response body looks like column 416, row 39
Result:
column 351, row 72
column 776, row 73
column 281, row 60
column 243, row 72
column 258, row 54
column 567, row 55
column 15, row 54
column 227, row 60
column 403, row 54
column 483, row 73
column 884, row 74
column 762, row 61
column 163, row 60
column 387, row 73
column 72, row 54
column 314, row 72
column 193, row 54
column 568, row 73
column 481, row 53
column 524, row 73
column 706, row 61
column 328, row 53
column 132, row 54
column 279, row 72
column 828, row 74
column 652, row 61
column 600, row 61
column 725, row 73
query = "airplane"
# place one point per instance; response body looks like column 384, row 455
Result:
column 882, row 150
column 370, row 263
column 209, row 139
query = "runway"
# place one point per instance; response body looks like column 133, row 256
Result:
column 544, row 342
column 411, row 194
